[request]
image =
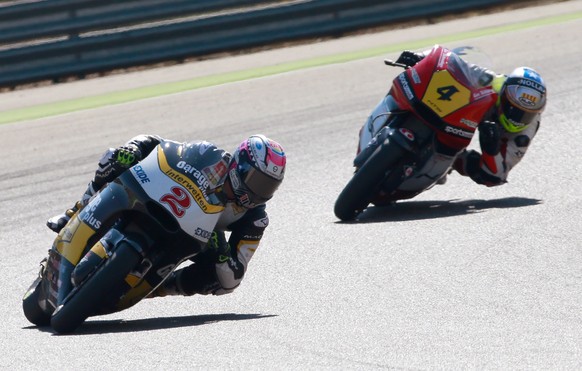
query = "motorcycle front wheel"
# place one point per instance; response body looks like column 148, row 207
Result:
column 93, row 292
column 31, row 307
column 365, row 183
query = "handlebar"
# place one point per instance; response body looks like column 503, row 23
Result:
column 390, row 62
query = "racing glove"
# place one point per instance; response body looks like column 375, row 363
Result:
column 114, row 162
column 468, row 163
column 489, row 138
column 409, row 58
column 219, row 247
column 126, row 156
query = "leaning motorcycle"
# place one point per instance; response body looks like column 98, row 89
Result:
column 429, row 116
column 128, row 239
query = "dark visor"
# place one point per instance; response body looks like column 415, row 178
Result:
column 516, row 115
column 262, row 186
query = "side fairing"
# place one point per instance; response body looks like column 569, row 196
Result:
column 174, row 179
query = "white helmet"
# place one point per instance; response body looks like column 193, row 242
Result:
column 521, row 99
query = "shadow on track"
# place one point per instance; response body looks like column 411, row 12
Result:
column 418, row 210
column 92, row 327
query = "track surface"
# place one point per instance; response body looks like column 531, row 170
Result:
column 462, row 276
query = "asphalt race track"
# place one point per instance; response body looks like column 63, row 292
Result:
column 461, row 277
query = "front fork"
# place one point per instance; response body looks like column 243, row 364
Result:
column 102, row 250
column 377, row 128
column 405, row 138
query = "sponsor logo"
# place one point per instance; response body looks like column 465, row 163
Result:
column 262, row 223
column 252, row 237
column 244, row 199
column 407, row 134
column 90, row 219
column 442, row 59
column 105, row 173
column 94, row 203
column 275, row 147
column 234, row 179
column 198, row 194
column 528, row 99
column 202, row 233
column 469, row 123
column 458, row 132
column 532, row 74
column 189, row 169
column 482, row 93
column 141, row 174
column 415, row 76
column 531, row 84
column 215, row 173
column 405, row 86
column 88, row 214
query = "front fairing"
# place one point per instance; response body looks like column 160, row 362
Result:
column 171, row 178
column 446, row 93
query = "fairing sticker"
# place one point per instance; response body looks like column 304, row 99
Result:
column 178, row 194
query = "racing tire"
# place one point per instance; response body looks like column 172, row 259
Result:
column 93, row 292
column 363, row 186
column 31, row 307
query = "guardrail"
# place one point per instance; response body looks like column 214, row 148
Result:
column 57, row 39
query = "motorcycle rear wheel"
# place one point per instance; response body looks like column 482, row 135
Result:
column 92, row 293
column 361, row 189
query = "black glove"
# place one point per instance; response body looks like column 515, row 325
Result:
column 126, row 156
column 113, row 163
column 219, row 247
column 409, row 58
column 489, row 137
column 467, row 162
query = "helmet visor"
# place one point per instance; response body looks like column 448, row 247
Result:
column 513, row 117
column 261, row 186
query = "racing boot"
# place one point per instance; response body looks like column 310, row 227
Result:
column 58, row 222
column 170, row 287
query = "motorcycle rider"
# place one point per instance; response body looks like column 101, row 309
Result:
column 506, row 134
column 506, row 131
column 254, row 172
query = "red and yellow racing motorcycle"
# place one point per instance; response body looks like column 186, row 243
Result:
column 411, row 139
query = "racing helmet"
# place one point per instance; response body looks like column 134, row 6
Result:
column 256, row 170
column 521, row 99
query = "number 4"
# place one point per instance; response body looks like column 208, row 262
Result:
column 446, row 92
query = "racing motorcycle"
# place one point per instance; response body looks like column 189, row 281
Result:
column 429, row 116
column 128, row 239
